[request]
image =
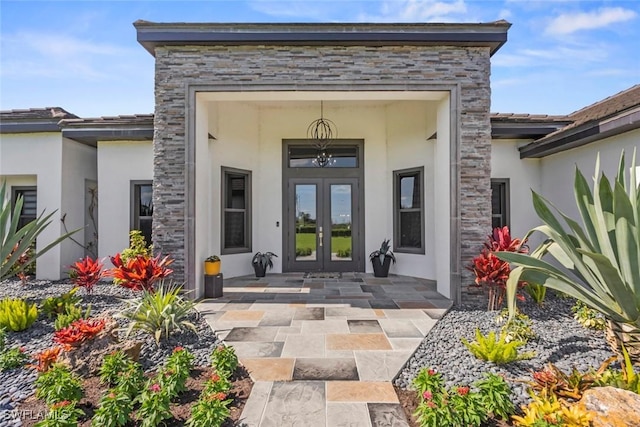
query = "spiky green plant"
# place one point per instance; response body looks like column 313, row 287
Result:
column 600, row 259
column 16, row 241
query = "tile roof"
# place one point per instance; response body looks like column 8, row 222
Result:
column 588, row 124
column 528, row 118
column 47, row 113
column 106, row 121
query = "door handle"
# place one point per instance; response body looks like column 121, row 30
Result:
column 320, row 235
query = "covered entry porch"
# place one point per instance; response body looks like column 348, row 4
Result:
column 252, row 191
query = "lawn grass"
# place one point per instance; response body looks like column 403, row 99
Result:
column 308, row 240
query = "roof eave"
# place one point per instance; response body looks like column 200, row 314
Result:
column 152, row 35
column 582, row 135
column 29, row 127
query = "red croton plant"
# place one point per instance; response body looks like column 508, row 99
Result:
column 491, row 271
column 78, row 332
column 86, row 273
column 141, row 272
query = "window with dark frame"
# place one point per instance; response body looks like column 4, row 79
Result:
column 29, row 210
column 408, row 212
column 142, row 208
column 499, row 203
column 236, row 211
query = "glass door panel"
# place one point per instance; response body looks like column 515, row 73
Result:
column 341, row 224
column 306, row 196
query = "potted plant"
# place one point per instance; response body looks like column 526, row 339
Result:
column 381, row 259
column 261, row 261
column 212, row 265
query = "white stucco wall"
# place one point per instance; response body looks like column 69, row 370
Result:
column 249, row 136
column 523, row 175
column 79, row 163
column 558, row 170
column 36, row 159
column 119, row 163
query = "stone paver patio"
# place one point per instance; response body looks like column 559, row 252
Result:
column 323, row 351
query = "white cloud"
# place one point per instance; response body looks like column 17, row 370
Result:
column 568, row 23
column 556, row 56
column 56, row 55
column 418, row 11
column 320, row 11
column 504, row 14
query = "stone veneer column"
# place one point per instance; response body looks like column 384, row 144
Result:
column 332, row 68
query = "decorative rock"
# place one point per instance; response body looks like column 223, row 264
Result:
column 612, row 407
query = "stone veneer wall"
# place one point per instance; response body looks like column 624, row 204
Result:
column 242, row 67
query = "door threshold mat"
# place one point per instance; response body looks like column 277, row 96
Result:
column 321, row 275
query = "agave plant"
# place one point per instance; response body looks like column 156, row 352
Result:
column 15, row 242
column 600, row 260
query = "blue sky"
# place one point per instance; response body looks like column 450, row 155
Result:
column 83, row 55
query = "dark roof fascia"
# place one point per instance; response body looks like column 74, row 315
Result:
column 523, row 130
column 492, row 35
column 89, row 135
column 582, row 135
column 29, row 127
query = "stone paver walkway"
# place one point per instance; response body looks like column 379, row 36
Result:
column 323, row 351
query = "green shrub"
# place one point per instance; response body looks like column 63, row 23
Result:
column 58, row 384
column 120, row 371
column 17, row 314
column 344, row 253
column 62, row 304
column 496, row 349
column 460, row 406
column 114, row 410
column 173, row 376
column 137, row 246
column 154, row 405
column 536, row 292
column 516, row 329
column 211, row 410
column 62, row 414
column 73, row 313
column 224, row 360
column 303, row 251
column 158, row 313
column 588, row 317
column 12, row 358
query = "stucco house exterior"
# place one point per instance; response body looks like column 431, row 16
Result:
column 226, row 164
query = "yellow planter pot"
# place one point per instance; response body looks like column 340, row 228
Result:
column 212, row 268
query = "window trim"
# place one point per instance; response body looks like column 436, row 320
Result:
column 14, row 197
column 224, row 171
column 134, row 217
column 507, row 200
column 397, row 174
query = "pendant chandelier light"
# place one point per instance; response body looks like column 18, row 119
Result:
column 322, row 132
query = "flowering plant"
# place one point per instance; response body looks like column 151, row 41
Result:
column 113, row 410
column 58, row 384
column 459, row 406
column 173, row 375
column 224, row 360
column 211, row 410
column 154, row 405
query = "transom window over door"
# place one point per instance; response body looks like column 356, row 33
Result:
column 408, row 212
column 236, row 211
column 29, row 210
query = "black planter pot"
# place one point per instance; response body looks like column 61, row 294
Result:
column 381, row 270
column 259, row 269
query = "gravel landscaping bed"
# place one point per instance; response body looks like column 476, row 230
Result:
column 17, row 384
column 561, row 340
